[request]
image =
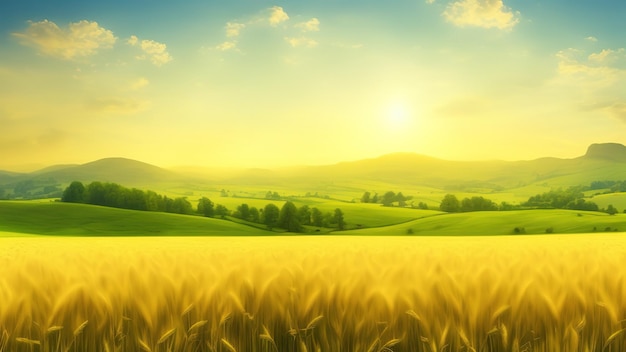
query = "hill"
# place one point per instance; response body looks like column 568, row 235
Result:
column 607, row 151
column 511, row 181
column 119, row 170
column 602, row 161
column 67, row 219
column 503, row 223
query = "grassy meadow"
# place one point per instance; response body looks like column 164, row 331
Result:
column 69, row 219
column 538, row 221
column 330, row 293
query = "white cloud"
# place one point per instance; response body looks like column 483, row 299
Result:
column 599, row 78
column 312, row 25
column 79, row 39
column 139, row 83
column 277, row 16
column 233, row 29
column 272, row 16
column 155, row 51
column 603, row 65
column 227, row 45
column 481, row 13
column 592, row 39
column 608, row 56
column 133, row 40
column 301, row 42
column 430, row 1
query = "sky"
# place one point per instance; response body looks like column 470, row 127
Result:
column 273, row 83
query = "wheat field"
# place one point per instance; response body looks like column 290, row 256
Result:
column 330, row 293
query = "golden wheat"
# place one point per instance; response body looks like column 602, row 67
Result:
column 528, row 293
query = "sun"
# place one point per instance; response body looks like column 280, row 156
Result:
column 397, row 116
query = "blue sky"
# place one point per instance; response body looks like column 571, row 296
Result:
column 268, row 83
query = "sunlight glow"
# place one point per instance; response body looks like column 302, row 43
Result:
column 397, row 116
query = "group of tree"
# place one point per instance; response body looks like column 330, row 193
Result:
column 451, row 204
column 289, row 217
column 31, row 189
column 570, row 198
column 560, row 199
column 117, row 196
column 611, row 186
column 388, row 199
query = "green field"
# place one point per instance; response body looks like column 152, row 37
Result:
column 618, row 200
column 504, row 222
column 55, row 218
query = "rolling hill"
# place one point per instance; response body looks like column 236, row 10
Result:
column 119, row 170
column 68, row 219
column 399, row 171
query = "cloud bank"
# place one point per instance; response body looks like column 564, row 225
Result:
column 481, row 13
column 79, row 39
column 154, row 51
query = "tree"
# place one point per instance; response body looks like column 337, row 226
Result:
column 181, row 205
column 388, row 198
column 272, row 195
column 154, row 201
column 611, row 210
column 288, row 218
column 422, row 205
column 255, row 215
column 221, row 211
column 317, row 218
column 366, row 197
column 74, row 193
column 401, row 199
column 270, row 215
column 338, row 219
column 206, row 207
column 581, row 204
column 477, row 204
column 450, row 204
column 304, row 215
column 243, row 211
column 375, row 198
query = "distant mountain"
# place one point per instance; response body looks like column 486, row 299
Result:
column 607, row 151
column 399, row 170
column 602, row 162
column 119, row 170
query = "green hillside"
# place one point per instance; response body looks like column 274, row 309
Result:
column 504, row 223
column 618, row 200
column 55, row 218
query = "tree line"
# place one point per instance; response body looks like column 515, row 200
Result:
column 390, row 198
column 117, row 196
column 288, row 217
column 451, row 204
column 571, row 198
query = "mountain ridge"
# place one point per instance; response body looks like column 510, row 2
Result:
column 602, row 161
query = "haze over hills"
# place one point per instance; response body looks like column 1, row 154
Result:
column 605, row 161
column 119, row 170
